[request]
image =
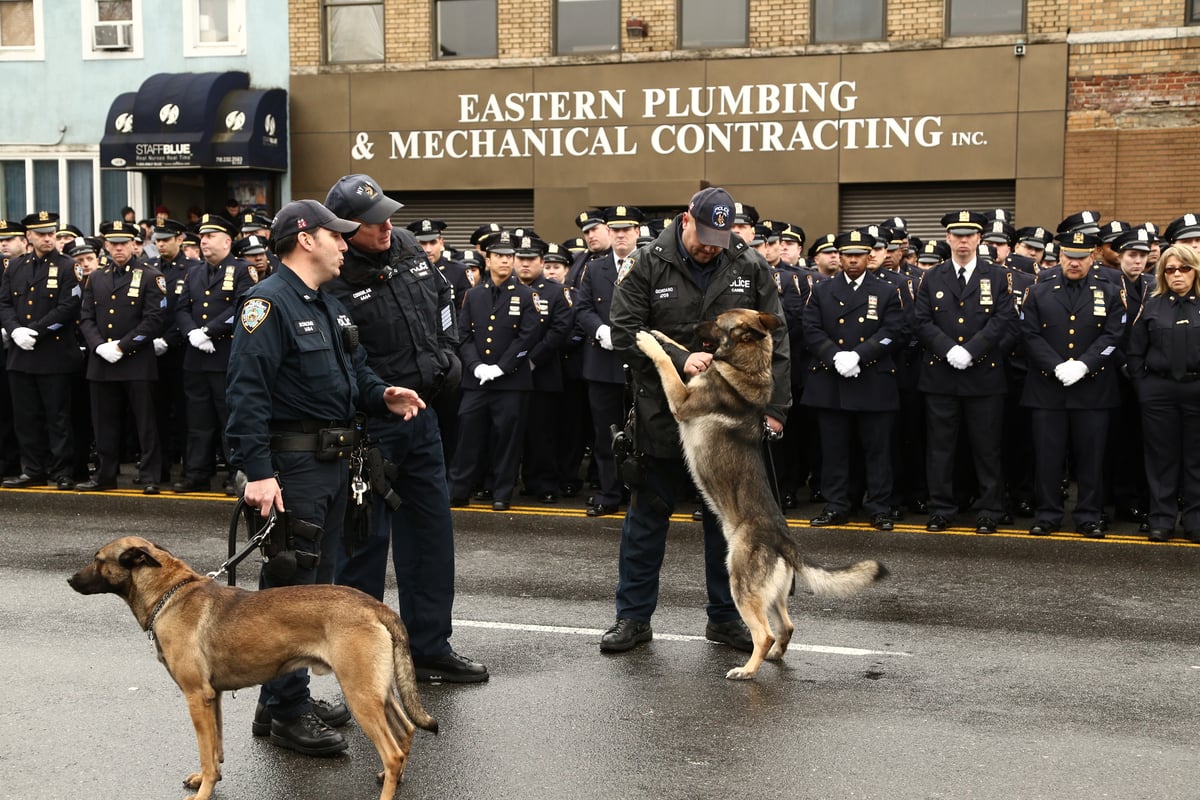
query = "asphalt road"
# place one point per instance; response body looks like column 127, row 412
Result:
column 987, row 667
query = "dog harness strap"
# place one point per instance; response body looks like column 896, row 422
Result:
column 162, row 602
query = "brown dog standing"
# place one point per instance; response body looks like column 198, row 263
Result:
column 720, row 416
column 214, row 638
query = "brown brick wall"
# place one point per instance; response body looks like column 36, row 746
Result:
column 659, row 16
column 304, row 32
column 915, row 20
column 1132, row 175
column 779, row 23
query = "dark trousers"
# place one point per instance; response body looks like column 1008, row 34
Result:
column 489, row 421
column 607, row 402
column 874, row 436
column 644, row 543
column 543, row 438
column 207, row 415
column 576, row 432
column 110, row 400
column 10, row 453
column 313, row 491
column 1081, row 434
column 446, row 406
column 983, row 419
column 42, row 421
column 1171, row 427
column 1019, row 441
column 170, row 400
column 420, row 534
column 1125, row 475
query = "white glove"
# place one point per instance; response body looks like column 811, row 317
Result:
column 604, row 337
column 491, row 372
column 958, row 357
column 197, row 337
column 846, row 363
column 1070, row 372
column 480, row 371
column 160, row 346
column 110, row 352
column 25, row 338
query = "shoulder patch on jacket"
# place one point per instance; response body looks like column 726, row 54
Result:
column 254, row 312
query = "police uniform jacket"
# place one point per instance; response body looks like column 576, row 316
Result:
column 871, row 321
column 499, row 325
column 43, row 294
column 1166, row 336
column 404, row 309
column 124, row 305
column 1085, row 324
column 660, row 292
column 456, row 276
column 556, row 317
column 572, row 351
column 1018, row 283
column 175, row 272
column 1101, row 271
column 593, row 302
column 288, row 364
column 793, row 294
column 210, row 300
column 980, row 318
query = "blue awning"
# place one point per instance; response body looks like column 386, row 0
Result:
column 196, row 120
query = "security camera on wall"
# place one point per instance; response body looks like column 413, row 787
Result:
column 1019, row 49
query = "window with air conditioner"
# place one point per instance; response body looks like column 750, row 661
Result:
column 111, row 29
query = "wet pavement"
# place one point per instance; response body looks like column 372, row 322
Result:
column 986, row 667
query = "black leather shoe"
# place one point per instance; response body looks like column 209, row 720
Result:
column 23, row 480
column 828, row 518
column 500, row 505
column 1127, row 514
column 602, row 510
column 625, row 635
column 307, row 734
column 1144, row 526
column 335, row 715
column 1159, row 535
column 1092, row 530
column 547, row 497
column 882, row 522
column 733, row 633
column 450, row 668
column 816, row 496
column 150, row 488
column 65, row 483
column 1041, row 529
column 937, row 523
column 185, row 486
column 94, row 486
column 571, row 489
column 985, row 525
column 698, row 515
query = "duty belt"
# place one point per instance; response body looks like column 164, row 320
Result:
column 328, row 439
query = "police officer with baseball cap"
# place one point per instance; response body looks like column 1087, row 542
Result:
column 296, row 380
column 406, row 316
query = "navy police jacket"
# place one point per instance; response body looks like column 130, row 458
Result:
column 43, row 294
column 210, row 300
column 124, row 305
column 593, row 306
column 499, row 325
column 288, row 363
column 556, row 318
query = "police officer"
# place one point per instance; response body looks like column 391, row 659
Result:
column 252, row 249
column 404, row 309
column 39, row 308
column 11, row 232
column 292, row 374
column 205, row 314
column 693, row 271
column 966, row 322
column 576, row 418
column 1072, row 329
column 428, row 233
column 1184, row 230
column 255, row 223
column 122, row 311
column 854, row 327
column 498, row 328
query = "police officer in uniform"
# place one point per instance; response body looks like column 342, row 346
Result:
column 122, row 312
column 291, row 375
column 11, row 232
column 855, row 326
column 405, row 312
column 693, row 271
column 206, row 313
column 966, row 322
column 576, row 417
column 1072, row 329
column 428, row 233
column 39, row 308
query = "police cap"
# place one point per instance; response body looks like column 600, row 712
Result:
column 360, row 198
column 82, row 245
column 1086, row 221
column 41, row 221
column 623, row 216
column 249, row 246
column 935, row 251
column 118, row 230
column 999, row 232
column 574, row 246
column 215, row 223
column 586, row 220
column 1112, row 230
column 1185, row 227
column 745, row 214
column 1033, row 236
column 792, row 233
column 427, row 230
column 487, row 229
column 1133, row 239
column 66, row 230
column 168, row 228
column 854, row 242
column 10, row 228
column 823, row 244
column 528, row 246
column 254, row 221
column 1020, row 263
column 500, row 243
column 1076, row 244
column 963, row 222
column 556, row 253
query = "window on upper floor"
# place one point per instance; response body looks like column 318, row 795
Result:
column 214, row 27
column 981, row 17
column 713, row 23
column 587, row 26
column 466, row 28
column 353, row 31
column 20, row 30
column 111, row 28
column 1193, row 12
column 848, row 20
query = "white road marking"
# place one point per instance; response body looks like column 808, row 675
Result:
column 670, row 637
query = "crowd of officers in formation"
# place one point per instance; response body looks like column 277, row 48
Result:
column 1071, row 351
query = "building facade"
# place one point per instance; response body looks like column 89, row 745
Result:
column 826, row 113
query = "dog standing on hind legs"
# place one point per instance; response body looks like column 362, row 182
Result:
column 720, row 413
column 214, row 638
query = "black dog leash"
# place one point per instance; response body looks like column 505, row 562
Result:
column 256, row 541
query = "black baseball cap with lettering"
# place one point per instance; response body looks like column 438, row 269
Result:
column 359, row 197
column 964, row 223
column 118, row 230
column 308, row 215
column 427, row 230
column 712, row 211
column 1076, row 244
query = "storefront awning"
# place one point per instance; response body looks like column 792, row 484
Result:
column 196, row 120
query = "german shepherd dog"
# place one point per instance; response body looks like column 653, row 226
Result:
column 213, row 638
column 720, row 416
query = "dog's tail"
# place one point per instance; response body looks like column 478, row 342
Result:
column 834, row 581
column 406, row 675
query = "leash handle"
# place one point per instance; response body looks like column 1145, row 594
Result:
column 255, row 541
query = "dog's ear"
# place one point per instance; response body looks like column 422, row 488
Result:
column 752, row 334
column 137, row 557
column 769, row 321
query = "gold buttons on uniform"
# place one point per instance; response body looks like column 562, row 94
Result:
column 961, row 320
column 1072, row 318
column 840, row 341
column 1071, row 331
column 960, row 338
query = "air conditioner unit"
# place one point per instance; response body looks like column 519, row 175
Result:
column 112, row 36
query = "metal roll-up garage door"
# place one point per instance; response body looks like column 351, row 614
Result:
column 463, row 212
column 922, row 204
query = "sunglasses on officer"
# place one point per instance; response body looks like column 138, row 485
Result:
column 1184, row 268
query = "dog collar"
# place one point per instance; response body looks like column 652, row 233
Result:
column 162, row 601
